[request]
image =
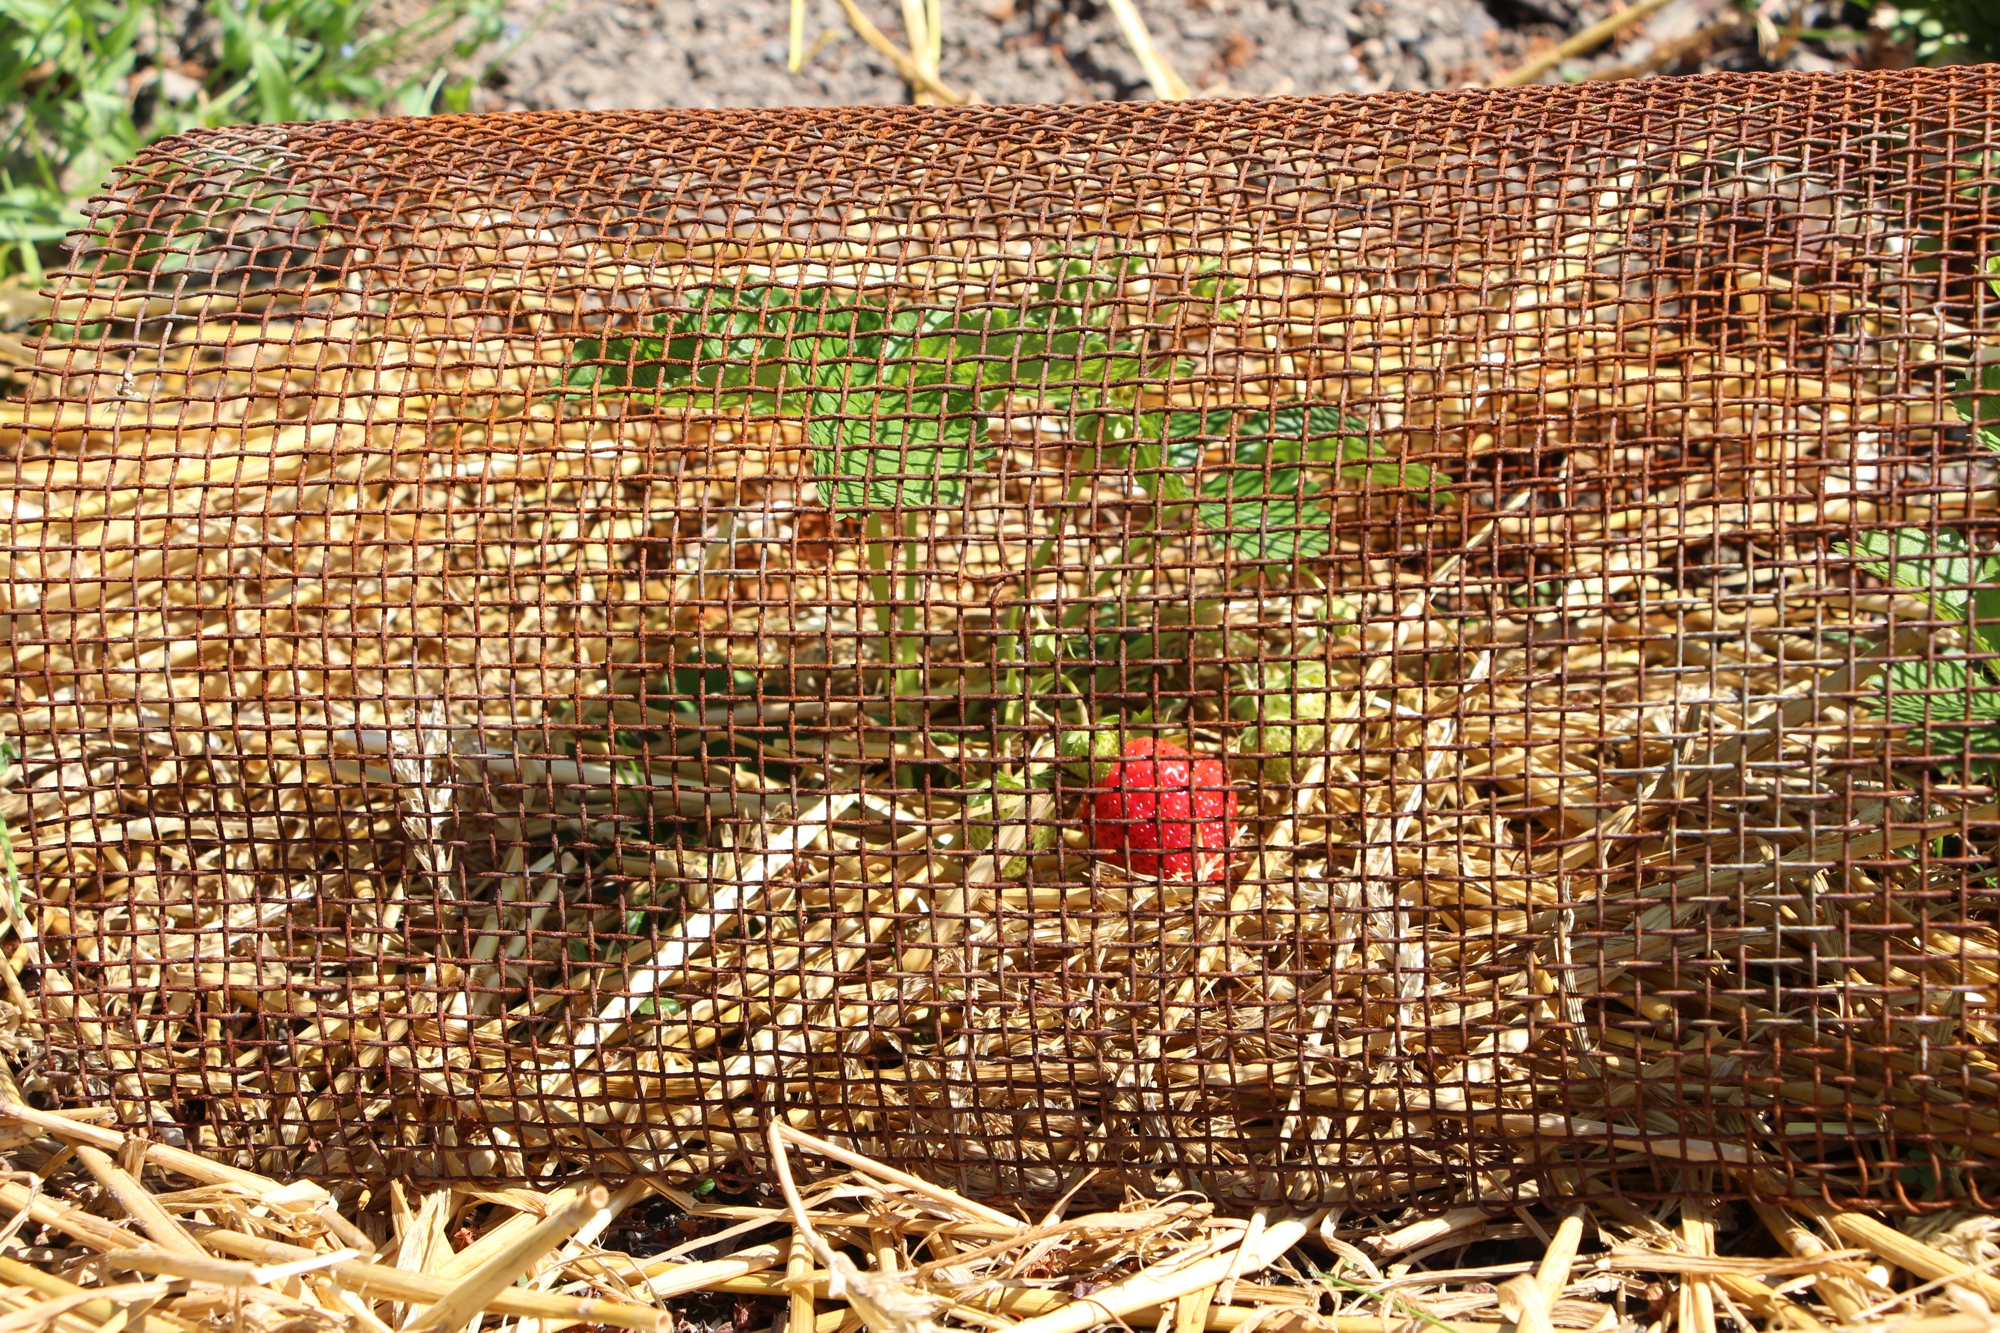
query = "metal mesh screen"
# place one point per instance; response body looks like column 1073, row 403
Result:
column 539, row 643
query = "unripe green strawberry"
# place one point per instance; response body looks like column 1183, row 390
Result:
column 1281, row 751
column 1159, row 810
column 1308, row 696
column 1003, row 800
column 1290, row 700
column 1090, row 751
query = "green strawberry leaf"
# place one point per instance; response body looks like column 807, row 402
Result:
column 1267, row 500
column 1947, row 690
column 887, row 426
column 1941, row 567
column 1053, row 347
column 1958, row 583
column 895, row 394
column 1950, row 705
column 1976, row 399
column 725, row 346
column 894, row 448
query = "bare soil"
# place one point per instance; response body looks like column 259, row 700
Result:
column 603, row 54
column 606, row 54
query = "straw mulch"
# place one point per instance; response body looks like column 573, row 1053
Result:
column 111, row 1232
column 360, row 805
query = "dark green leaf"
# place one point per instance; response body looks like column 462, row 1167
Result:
column 693, row 686
column 887, row 424
column 1939, row 566
column 892, row 448
column 1058, row 347
column 1977, row 401
column 1950, row 689
column 727, row 345
column 1951, row 707
column 1984, row 619
column 1267, row 499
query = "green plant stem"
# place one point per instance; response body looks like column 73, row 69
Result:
column 1013, row 681
column 909, row 647
column 11, row 867
column 880, row 588
column 1387, row 1298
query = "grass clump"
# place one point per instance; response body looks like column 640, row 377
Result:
column 1947, row 31
column 85, row 84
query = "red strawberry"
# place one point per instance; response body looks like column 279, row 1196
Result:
column 1158, row 810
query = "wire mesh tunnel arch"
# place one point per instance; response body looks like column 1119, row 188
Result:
column 539, row 643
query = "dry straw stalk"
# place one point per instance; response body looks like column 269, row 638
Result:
column 236, row 1275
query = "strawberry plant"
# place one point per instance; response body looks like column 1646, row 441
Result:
column 1949, row 702
column 896, row 398
column 897, row 395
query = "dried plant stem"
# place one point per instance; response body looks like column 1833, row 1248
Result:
column 1922, row 1259
column 919, row 21
column 477, row 1289
column 1167, row 85
column 385, row 1283
column 73, row 1222
column 1552, row 1274
column 678, row 1279
column 1253, row 1235
column 905, row 65
column 1152, row 1287
column 202, row 1267
column 666, row 964
column 503, row 1238
column 1697, row 1300
column 798, row 1271
column 132, row 1196
column 1595, row 35
column 1521, row 1300
column 1839, row 1292
column 1673, row 52
column 951, row 1199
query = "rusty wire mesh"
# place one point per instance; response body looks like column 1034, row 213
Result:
column 539, row 643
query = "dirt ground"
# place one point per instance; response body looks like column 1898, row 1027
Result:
column 602, row 54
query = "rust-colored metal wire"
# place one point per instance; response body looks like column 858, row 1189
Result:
column 540, row 643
